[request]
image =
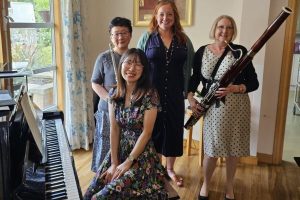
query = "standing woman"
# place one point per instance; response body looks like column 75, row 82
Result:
column 170, row 53
column 103, row 78
column 227, row 123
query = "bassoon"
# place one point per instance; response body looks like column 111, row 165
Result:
column 237, row 67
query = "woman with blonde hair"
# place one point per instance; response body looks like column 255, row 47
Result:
column 227, row 123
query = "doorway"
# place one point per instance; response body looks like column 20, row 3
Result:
column 292, row 136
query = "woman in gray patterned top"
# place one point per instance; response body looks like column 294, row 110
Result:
column 103, row 79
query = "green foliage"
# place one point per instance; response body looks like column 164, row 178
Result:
column 38, row 4
column 33, row 46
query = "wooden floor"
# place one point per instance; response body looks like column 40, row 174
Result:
column 262, row 182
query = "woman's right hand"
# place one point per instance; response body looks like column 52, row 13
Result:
column 109, row 173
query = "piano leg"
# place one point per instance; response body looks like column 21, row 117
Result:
column 5, row 186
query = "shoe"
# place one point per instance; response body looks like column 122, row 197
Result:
column 177, row 179
column 202, row 197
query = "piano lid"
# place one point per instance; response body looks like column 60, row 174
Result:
column 34, row 121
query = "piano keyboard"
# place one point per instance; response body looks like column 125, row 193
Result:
column 59, row 173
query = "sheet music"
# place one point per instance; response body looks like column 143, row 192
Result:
column 34, row 122
column 5, row 97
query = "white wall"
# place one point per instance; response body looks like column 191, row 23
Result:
column 270, row 84
column 251, row 29
column 252, row 19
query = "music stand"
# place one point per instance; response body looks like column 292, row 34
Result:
column 34, row 122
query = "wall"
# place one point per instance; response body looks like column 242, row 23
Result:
column 97, row 15
column 251, row 29
column 270, row 84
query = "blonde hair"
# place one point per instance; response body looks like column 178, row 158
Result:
column 215, row 23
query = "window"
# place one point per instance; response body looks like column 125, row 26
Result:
column 32, row 48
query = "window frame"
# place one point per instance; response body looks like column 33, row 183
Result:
column 56, row 67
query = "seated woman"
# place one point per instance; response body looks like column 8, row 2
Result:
column 132, row 169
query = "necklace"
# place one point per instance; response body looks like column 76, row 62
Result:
column 128, row 98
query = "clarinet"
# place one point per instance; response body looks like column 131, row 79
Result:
column 237, row 67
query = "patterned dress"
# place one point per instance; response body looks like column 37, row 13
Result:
column 103, row 74
column 145, row 179
column 226, row 128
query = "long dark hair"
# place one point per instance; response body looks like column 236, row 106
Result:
column 177, row 28
column 143, row 84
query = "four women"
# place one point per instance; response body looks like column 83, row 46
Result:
column 132, row 169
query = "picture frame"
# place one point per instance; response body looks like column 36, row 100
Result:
column 143, row 9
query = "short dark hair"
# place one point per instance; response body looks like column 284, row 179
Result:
column 120, row 21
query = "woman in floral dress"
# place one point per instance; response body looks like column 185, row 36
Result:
column 132, row 169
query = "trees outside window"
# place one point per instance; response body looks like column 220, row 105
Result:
column 32, row 47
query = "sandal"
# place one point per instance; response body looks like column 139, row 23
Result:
column 177, row 179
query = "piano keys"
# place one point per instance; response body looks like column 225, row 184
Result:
column 53, row 175
column 61, row 178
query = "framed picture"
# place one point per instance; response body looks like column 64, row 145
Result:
column 143, row 9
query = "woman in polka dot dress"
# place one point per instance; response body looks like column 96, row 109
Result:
column 227, row 123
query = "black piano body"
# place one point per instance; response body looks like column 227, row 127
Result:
column 47, row 175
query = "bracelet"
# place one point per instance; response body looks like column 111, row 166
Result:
column 131, row 158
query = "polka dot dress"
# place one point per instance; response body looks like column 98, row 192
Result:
column 226, row 128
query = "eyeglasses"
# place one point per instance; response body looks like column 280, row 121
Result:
column 130, row 63
column 122, row 34
column 221, row 27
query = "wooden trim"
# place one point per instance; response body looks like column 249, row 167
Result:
column 251, row 160
column 286, row 68
column 59, row 54
column 195, row 144
column 2, row 37
column 5, row 50
column 264, row 158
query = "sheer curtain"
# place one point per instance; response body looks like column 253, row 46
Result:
column 79, row 121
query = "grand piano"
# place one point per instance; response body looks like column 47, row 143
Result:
column 41, row 162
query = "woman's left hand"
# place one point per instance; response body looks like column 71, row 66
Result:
column 222, row 92
column 121, row 169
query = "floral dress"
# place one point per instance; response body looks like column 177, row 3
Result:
column 145, row 178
